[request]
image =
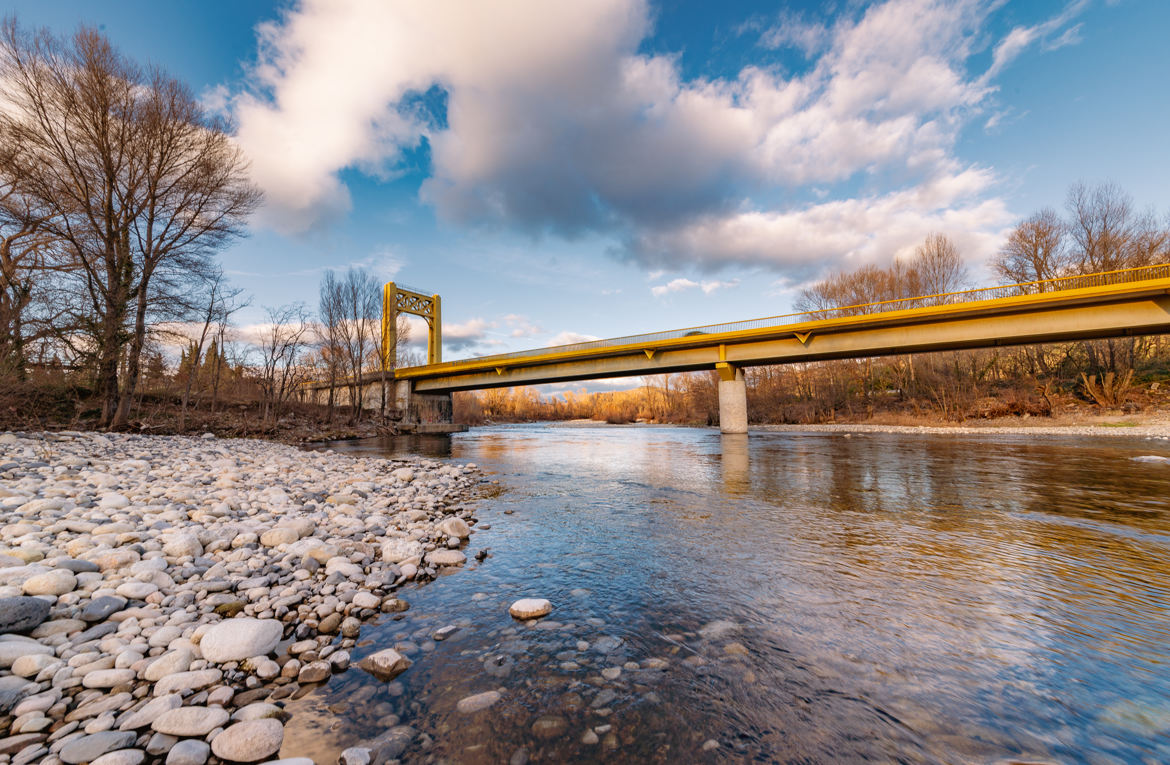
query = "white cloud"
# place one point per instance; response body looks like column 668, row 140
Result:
column 849, row 231
column 791, row 30
column 680, row 284
column 1022, row 37
column 555, row 122
column 568, row 338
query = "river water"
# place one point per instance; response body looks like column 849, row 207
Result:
column 784, row 597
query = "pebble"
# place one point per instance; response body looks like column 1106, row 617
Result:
column 101, row 607
column 89, row 748
column 249, row 741
column 238, row 639
column 530, row 608
column 385, row 664
column 22, row 614
column 189, row 752
column 315, row 672
column 148, row 570
column 478, row 702
column 56, row 582
column 190, row 721
column 549, row 727
column 121, row 757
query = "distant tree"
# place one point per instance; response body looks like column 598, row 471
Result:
column 937, row 267
column 219, row 303
column 282, row 344
column 1103, row 227
column 328, row 332
column 1035, row 250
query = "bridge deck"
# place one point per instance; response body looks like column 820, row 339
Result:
column 1110, row 304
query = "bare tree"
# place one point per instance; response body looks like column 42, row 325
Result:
column 136, row 183
column 1035, row 250
column 1103, row 227
column 282, row 345
column 937, row 267
column 24, row 249
column 329, row 332
column 387, row 355
column 357, row 297
column 220, row 302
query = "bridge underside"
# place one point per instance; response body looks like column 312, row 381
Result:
column 1074, row 315
column 1135, row 316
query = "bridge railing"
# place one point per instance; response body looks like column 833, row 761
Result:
column 1059, row 284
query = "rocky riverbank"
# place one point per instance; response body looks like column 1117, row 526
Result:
column 159, row 596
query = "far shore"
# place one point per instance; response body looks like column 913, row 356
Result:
column 1105, row 426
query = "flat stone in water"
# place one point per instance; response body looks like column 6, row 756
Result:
column 385, row 664
column 549, row 727
column 478, row 702
column 530, row 608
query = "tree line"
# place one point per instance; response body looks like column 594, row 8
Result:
column 1100, row 229
column 117, row 192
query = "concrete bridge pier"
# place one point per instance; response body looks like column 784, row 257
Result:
column 427, row 413
column 732, row 399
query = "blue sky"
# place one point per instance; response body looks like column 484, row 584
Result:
column 604, row 167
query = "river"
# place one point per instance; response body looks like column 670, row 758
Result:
column 784, row 597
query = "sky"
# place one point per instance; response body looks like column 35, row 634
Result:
column 597, row 168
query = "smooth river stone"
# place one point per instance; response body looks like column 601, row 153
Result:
column 22, row 614
column 189, row 752
column 56, row 582
column 398, row 550
column 108, row 678
column 121, row 757
column 385, row 664
column 190, row 721
column 530, row 608
column 366, row 600
column 249, row 741
column 89, row 748
column 239, row 639
column 446, row 558
column 147, row 713
column 455, row 527
column 136, row 590
column 193, row 680
column 11, row 650
column 170, row 663
column 101, row 607
column 478, row 702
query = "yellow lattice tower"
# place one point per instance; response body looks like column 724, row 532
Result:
column 398, row 299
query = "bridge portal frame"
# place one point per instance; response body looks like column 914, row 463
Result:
column 401, row 299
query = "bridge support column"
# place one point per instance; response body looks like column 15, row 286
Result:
column 424, row 412
column 732, row 399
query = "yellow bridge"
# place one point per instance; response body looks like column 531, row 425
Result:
column 1110, row 304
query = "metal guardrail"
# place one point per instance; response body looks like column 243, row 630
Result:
column 416, row 290
column 1060, row 284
